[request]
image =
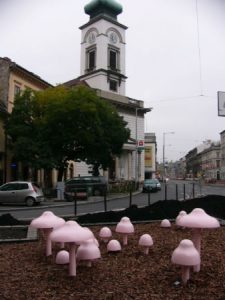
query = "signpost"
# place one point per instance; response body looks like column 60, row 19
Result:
column 221, row 103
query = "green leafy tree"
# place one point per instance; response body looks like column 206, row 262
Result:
column 60, row 124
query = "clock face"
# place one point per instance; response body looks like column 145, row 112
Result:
column 91, row 38
column 113, row 37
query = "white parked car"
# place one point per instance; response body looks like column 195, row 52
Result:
column 25, row 192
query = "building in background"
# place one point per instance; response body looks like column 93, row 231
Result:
column 102, row 67
column 150, row 155
column 13, row 80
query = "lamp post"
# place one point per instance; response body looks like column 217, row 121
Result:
column 143, row 110
column 164, row 138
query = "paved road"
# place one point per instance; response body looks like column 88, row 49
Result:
column 173, row 190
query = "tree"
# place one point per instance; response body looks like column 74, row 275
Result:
column 60, row 124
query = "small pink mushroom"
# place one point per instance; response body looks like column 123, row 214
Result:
column 125, row 227
column 186, row 255
column 113, row 246
column 165, row 223
column 73, row 234
column 197, row 220
column 62, row 257
column 47, row 222
column 88, row 251
column 105, row 234
column 146, row 242
column 180, row 215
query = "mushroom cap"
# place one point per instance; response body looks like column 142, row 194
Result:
column 105, row 232
column 88, row 250
column 186, row 254
column 62, row 257
column 145, row 240
column 113, row 246
column 71, row 232
column 47, row 220
column 125, row 226
column 181, row 214
column 165, row 223
column 198, row 218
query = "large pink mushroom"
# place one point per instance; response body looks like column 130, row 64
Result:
column 186, row 255
column 47, row 222
column 125, row 227
column 198, row 219
column 73, row 234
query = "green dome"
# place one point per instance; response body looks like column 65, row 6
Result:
column 108, row 7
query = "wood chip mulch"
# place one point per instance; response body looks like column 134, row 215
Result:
column 25, row 272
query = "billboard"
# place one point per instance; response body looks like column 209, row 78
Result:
column 148, row 156
column 221, row 104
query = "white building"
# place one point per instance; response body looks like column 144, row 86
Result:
column 102, row 67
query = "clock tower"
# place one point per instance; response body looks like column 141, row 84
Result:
column 103, row 47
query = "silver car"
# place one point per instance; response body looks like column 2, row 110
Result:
column 21, row 192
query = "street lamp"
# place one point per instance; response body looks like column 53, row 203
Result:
column 143, row 110
column 164, row 138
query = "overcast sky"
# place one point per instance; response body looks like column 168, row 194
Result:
column 175, row 58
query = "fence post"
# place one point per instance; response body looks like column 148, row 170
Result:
column 165, row 191
column 130, row 197
column 75, row 203
column 176, row 191
column 105, row 201
column 149, row 198
column 184, row 192
column 193, row 190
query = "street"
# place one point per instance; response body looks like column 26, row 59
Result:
column 174, row 190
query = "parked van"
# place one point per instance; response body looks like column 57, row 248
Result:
column 91, row 185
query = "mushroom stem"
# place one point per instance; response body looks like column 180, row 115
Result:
column 185, row 274
column 146, row 250
column 196, row 238
column 125, row 239
column 72, row 262
column 48, row 242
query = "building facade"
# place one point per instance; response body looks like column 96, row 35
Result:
column 13, row 80
column 222, row 141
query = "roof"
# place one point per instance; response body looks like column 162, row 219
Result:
column 75, row 82
column 15, row 67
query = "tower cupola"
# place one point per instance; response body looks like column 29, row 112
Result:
column 109, row 8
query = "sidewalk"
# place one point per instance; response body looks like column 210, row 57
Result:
column 54, row 202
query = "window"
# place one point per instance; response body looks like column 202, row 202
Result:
column 113, row 59
column 17, row 90
column 91, row 59
column 113, row 85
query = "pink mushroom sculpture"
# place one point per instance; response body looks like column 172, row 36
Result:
column 186, row 255
column 181, row 214
column 125, row 227
column 88, row 251
column 113, row 246
column 105, row 234
column 73, row 234
column 62, row 257
column 198, row 219
column 146, row 242
column 165, row 223
column 47, row 222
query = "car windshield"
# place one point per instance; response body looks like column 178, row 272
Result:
column 151, row 181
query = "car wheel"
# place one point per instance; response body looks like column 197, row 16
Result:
column 30, row 201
